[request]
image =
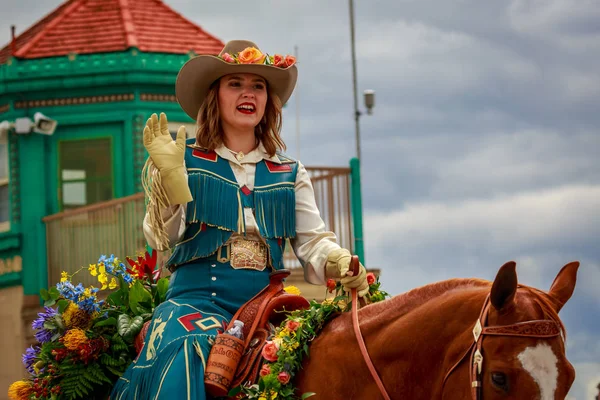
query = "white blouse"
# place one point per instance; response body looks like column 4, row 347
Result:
column 312, row 243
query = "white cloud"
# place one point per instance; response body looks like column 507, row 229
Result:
column 548, row 216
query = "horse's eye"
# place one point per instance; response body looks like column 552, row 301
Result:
column 499, row 379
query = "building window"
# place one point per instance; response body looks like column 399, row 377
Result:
column 4, row 192
column 86, row 175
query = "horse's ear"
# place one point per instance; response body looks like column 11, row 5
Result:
column 505, row 286
column 564, row 284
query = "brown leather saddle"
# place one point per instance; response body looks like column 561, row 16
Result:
column 269, row 306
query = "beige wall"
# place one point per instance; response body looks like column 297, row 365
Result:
column 12, row 339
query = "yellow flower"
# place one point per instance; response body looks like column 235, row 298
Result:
column 113, row 283
column 74, row 317
column 292, row 290
column 74, row 338
column 20, row 390
column 103, row 279
column 64, row 276
column 93, row 270
column 283, row 333
column 102, row 269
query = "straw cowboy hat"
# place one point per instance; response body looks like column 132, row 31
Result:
column 238, row 56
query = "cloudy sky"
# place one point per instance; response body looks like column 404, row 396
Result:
column 484, row 143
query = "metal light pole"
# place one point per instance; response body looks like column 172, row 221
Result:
column 354, row 84
column 355, row 163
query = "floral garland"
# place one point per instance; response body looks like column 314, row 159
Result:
column 289, row 343
column 251, row 55
column 84, row 343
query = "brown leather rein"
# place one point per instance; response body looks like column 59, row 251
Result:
column 543, row 329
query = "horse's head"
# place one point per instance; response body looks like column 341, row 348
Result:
column 522, row 340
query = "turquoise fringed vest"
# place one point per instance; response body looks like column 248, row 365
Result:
column 216, row 211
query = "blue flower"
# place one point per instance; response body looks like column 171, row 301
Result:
column 29, row 358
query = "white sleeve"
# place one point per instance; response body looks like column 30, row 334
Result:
column 174, row 219
column 174, row 222
column 313, row 242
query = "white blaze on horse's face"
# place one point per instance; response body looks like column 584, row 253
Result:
column 541, row 363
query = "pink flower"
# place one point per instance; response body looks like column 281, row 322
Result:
column 269, row 352
column 292, row 325
column 279, row 61
column 265, row 370
column 371, row 278
column 283, row 377
column 290, row 60
column 330, row 285
column 227, row 57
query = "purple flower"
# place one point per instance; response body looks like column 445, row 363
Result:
column 29, row 358
column 43, row 335
column 43, row 317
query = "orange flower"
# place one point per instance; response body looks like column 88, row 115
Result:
column 20, row 390
column 290, row 60
column 279, row 61
column 269, row 352
column 251, row 55
column 74, row 339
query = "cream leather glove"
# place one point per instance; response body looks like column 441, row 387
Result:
column 338, row 265
column 167, row 155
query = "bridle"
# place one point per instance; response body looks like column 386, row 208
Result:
column 532, row 329
column 541, row 329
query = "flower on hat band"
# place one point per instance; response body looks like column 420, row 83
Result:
column 252, row 55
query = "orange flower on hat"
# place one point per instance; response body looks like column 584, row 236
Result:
column 279, row 60
column 289, row 61
column 250, row 55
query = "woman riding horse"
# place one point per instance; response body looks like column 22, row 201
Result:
column 226, row 201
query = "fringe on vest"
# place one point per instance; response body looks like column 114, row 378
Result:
column 220, row 210
column 156, row 201
column 271, row 203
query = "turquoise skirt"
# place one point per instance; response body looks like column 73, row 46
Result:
column 202, row 298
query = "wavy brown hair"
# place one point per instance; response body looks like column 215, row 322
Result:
column 209, row 134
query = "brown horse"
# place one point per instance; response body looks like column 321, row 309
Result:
column 424, row 343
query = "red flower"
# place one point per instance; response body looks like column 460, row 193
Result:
column 292, row 325
column 144, row 267
column 283, row 377
column 265, row 370
column 330, row 285
column 371, row 279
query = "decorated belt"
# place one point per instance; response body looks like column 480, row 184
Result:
column 245, row 254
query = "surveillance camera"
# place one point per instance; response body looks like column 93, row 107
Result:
column 42, row 124
column 369, row 100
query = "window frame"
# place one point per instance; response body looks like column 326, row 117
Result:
column 5, row 226
column 108, row 178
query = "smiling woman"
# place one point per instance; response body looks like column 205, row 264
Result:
column 226, row 201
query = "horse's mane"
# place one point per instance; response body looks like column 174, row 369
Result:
column 405, row 302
